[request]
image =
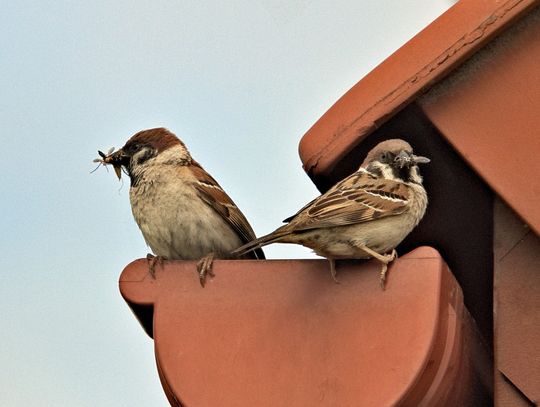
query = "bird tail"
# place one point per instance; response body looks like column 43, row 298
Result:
column 256, row 244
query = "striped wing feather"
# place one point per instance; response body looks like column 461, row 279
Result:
column 361, row 197
column 211, row 192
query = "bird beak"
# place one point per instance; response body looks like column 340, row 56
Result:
column 118, row 171
column 418, row 159
column 405, row 159
column 117, row 159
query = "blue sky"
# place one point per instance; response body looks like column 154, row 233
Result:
column 240, row 82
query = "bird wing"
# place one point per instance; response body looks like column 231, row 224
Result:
column 212, row 193
column 359, row 198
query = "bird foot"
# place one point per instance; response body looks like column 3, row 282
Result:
column 152, row 261
column 204, row 268
column 388, row 258
column 333, row 271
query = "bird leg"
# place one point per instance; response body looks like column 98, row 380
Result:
column 152, row 260
column 389, row 258
column 204, row 268
column 333, row 270
column 383, row 258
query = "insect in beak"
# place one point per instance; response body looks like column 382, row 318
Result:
column 113, row 158
column 418, row 159
column 403, row 159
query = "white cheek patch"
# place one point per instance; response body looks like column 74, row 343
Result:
column 386, row 170
column 176, row 154
column 415, row 175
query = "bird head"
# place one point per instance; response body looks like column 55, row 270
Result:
column 146, row 148
column 394, row 159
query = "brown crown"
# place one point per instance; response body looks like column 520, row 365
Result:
column 160, row 138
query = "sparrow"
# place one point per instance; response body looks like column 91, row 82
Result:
column 366, row 215
column 182, row 212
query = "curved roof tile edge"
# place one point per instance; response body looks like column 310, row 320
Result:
column 437, row 50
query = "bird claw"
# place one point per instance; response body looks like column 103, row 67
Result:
column 152, row 260
column 333, row 271
column 204, row 268
column 382, row 276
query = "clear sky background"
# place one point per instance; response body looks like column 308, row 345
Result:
column 240, row 82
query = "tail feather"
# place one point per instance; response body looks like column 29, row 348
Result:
column 260, row 242
column 258, row 254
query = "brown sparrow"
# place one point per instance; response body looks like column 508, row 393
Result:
column 181, row 210
column 365, row 215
